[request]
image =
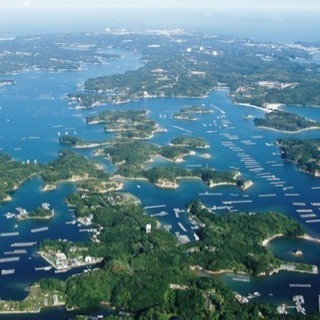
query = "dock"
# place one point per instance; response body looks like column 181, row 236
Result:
column 313, row 221
column 267, row 195
column 182, row 227
column 12, row 259
column 23, row 244
column 159, row 214
column 15, row 252
column 5, row 272
column 299, row 285
column 9, row 234
column 39, row 229
column 155, row 206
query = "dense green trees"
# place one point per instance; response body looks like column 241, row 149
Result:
column 192, row 142
column 304, row 152
column 223, row 235
column 14, row 173
column 70, row 166
column 285, row 121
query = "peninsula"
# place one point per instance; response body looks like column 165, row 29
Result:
column 304, row 152
column 285, row 121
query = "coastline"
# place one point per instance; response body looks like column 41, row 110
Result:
column 309, row 238
column 286, row 131
column 265, row 242
column 268, row 106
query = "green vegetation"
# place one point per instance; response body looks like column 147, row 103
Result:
column 174, row 153
column 305, row 153
column 223, row 235
column 130, row 156
column 52, row 52
column 285, row 121
column 126, row 123
column 136, row 262
column 98, row 186
column 169, row 174
column 255, row 73
column 79, row 143
column 196, row 109
column 46, row 293
column 71, row 167
column 192, row 142
column 212, row 177
column 14, row 173
column 87, row 100
column 40, row 213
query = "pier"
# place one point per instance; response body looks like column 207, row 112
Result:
column 267, row 195
column 159, row 214
column 9, row 234
column 23, row 244
column 5, row 272
column 299, row 285
column 182, row 227
column 155, row 206
column 12, row 259
column 237, row 201
column 39, row 229
column 313, row 221
column 16, row 252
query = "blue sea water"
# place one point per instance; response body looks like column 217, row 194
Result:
column 35, row 111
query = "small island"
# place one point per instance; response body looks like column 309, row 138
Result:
column 132, row 124
column 304, row 152
column 64, row 169
column 187, row 113
column 285, row 121
column 42, row 213
column 78, row 143
column 192, row 142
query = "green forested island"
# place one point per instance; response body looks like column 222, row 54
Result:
column 64, row 169
column 126, row 123
column 304, row 152
column 192, row 142
column 285, row 121
column 80, row 143
column 133, row 265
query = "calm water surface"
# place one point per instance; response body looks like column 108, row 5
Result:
column 34, row 113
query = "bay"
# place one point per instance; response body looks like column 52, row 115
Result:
column 34, row 112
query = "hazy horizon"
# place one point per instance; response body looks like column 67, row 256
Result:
column 279, row 21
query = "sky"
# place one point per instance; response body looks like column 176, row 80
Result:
column 279, row 20
column 273, row 4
